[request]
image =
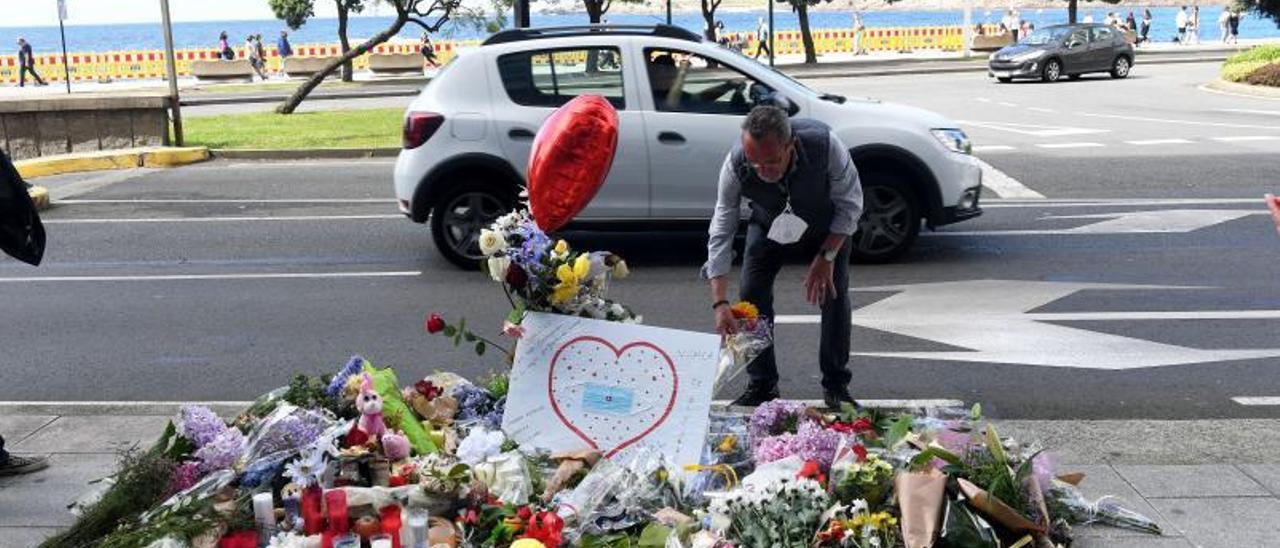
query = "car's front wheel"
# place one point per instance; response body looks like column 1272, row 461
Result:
column 458, row 218
column 890, row 220
column 1120, row 67
column 1052, row 70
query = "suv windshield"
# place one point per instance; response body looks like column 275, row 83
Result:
column 793, row 81
column 1042, row 37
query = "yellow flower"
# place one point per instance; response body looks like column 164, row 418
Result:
column 527, row 543
column 744, row 310
column 561, row 251
column 570, row 279
column 728, row 444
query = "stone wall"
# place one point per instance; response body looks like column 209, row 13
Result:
column 30, row 128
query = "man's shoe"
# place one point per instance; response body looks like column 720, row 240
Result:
column 756, row 395
column 835, row 399
column 23, row 465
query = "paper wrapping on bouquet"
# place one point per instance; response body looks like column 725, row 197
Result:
column 578, row 383
column 570, row 159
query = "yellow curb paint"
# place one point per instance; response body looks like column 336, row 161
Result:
column 112, row 159
column 39, row 195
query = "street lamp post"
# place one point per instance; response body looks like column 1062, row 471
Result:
column 170, row 67
column 521, row 13
column 66, row 70
column 771, row 32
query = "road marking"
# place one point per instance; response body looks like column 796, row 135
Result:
column 1245, row 138
column 1160, row 221
column 989, row 321
column 1251, row 400
column 1069, row 145
column 1152, row 142
column 1006, row 104
column 20, row 404
column 992, row 148
column 1250, row 111
column 1004, row 185
column 1172, row 121
column 327, row 164
column 983, row 100
column 237, row 201
column 1032, row 129
column 1040, row 109
column 997, row 203
column 800, row 319
column 881, row 404
column 196, row 277
column 225, row 219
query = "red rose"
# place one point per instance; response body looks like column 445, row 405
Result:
column 516, row 276
column 435, row 324
column 427, row 389
column 398, row 481
column 812, row 471
column 524, row 513
column 355, row 437
column 861, row 451
column 863, row 425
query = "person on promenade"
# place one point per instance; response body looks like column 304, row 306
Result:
column 1181, row 20
column 859, row 35
column 1131, row 23
column 429, row 51
column 762, row 38
column 283, row 47
column 1193, row 25
column 804, row 195
column 22, row 236
column 1088, row 18
column 251, row 53
column 1144, row 36
column 1234, row 23
column 224, row 47
column 27, row 63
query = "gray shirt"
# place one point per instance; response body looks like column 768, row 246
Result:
column 846, row 195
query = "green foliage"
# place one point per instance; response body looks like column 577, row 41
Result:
column 1240, row 71
column 338, row 128
column 294, row 13
column 184, row 522
column 1268, row 53
column 172, row 446
column 1267, row 75
column 1266, row 8
column 498, row 385
column 141, row 481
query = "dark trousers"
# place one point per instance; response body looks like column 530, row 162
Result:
column 4, row 456
column 22, row 75
column 761, row 261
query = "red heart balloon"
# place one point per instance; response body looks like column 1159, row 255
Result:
column 571, row 157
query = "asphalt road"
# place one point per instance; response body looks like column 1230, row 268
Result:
column 1142, row 286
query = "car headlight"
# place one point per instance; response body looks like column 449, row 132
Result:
column 954, row 139
column 1033, row 54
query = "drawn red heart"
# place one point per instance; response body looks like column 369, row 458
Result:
column 640, row 373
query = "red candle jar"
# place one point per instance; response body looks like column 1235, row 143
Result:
column 336, row 503
column 391, row 523
column 239, row 539
column 312, row 516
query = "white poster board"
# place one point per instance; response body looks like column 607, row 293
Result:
column 579, row 383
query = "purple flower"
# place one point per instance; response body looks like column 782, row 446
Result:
column 185, row 476
column 355, row 365
column 818, row 444
column 777, row 417
column 774, row 448
column 290, row 433
column 474, row 403
column 200, row 424
column 263, row 471
column 221, row 452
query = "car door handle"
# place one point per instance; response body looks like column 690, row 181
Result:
column 520, row 134
column 670, row 138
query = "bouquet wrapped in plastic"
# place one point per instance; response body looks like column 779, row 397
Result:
column 754, row 336
column 1066, row 500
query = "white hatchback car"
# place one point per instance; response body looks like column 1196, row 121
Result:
column 680, row 102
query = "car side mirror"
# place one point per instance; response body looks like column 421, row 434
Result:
column 1074, row 44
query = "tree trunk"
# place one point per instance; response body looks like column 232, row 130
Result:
column 709, row 16
column 802, row 13
column 1071, row 12
column 347, row 68
column 291, row 104
column 595, row 10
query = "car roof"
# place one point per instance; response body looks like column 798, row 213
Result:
column 538, row 33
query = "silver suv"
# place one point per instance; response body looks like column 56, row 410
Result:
column 680, row 101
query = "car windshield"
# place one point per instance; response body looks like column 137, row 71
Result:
column 1046, row 36
column 784, row 75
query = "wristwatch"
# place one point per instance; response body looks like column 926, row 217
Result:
column 830, row 255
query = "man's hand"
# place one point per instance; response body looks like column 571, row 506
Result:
column 818, row 284
column 726, row 324
column 1273, row 203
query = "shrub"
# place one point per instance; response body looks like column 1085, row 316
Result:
column 1239, row 71
column 1267, row 75
column 1269, row 53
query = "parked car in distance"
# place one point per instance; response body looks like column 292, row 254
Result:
column 1050, row 53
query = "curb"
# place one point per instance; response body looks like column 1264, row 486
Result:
column 274, row 98
column 40, row 197
column 305, row 154
column 110, row 159
column 1234, row 88
column 899, row 68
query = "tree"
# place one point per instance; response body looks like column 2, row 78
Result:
column 295, row 13
column 709, row 8
column 430, row 15
column 1265, row 8
column 1072, row 9
column 597, row 8
column 801, row 7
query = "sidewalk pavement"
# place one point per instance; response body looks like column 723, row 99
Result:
column 829, row 65
column 1207, row 483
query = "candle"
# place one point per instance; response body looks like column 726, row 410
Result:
column 239, row 539
column 264, row 514
column 336, row 502
column 312, row 517
column 391, row 524
column 292, row 511
column 380, row 541
column 418, row 518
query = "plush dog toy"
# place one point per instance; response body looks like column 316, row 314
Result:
column 369, row 403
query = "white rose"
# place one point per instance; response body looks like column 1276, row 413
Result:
column 492, row 241
column 498, row 268
column 620, row 270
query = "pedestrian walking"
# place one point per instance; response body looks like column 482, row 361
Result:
column 428, row 50
column 859, row 35
column 1193, row 25
column 1234, row 25
column 1131, row 24
column 1088, row 18
column 224, row 47
column 1143, row 37
column 251, row 53
column 804, row 194
column 762, row 38
column 262, row 51
column 1181, row 20
column 27, row 64
column 283, row 47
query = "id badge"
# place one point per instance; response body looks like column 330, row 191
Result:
column 787, row 228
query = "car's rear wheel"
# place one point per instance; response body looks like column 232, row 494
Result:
column 1052, row 70
column 890, row 221
column 1120, row 67
column 1004, row 79
column 458, row 218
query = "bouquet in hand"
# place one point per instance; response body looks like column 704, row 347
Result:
column 754, row 335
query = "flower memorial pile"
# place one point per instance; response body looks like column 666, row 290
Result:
column 359, row 458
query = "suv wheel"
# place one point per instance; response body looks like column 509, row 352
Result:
column 890, row 221
column 458, row 218
column 1052, row 70
column 1120, row 67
